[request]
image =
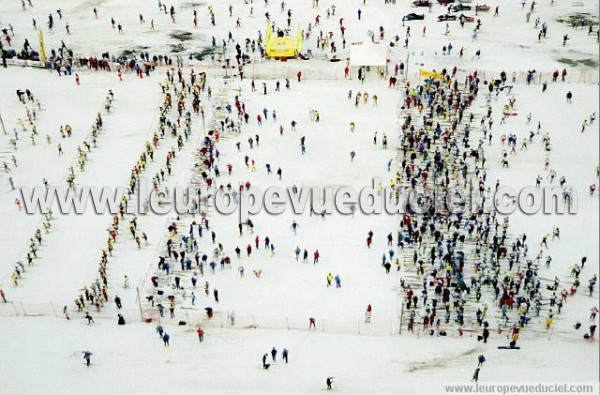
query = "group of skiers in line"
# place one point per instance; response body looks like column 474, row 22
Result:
column 35, row 242
column 442, row 259
column 179, row 131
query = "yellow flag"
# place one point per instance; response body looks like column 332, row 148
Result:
column 42, row 50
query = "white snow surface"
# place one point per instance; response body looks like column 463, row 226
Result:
column 40, row 351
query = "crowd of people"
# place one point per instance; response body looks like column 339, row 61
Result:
column 467, row 271
column 455, row 259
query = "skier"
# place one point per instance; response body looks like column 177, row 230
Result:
column 294, row 229
column 593, row 313
column 329, row 382
column 284, row 355
column 274, row 354
column 88, row 357
column 368, row 313
column 476, row 374
column 264, row 361
column 480, row 360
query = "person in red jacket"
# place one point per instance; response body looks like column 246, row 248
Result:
column 200, row 333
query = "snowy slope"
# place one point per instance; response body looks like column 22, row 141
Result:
column 42, row 354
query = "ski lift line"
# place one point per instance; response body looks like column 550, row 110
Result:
column 166, row 236
column 41, row 221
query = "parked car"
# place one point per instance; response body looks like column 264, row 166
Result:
column 482, row 7
column 446, row 17
column 461, row 7
column 421, row 3
column 413, row 17
column 466, row 18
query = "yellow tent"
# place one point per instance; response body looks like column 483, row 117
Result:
column 282, row 47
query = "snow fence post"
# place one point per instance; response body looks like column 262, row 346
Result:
column 137, row 289
column 401, row 317
column 2, row 124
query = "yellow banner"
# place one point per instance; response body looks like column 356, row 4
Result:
column 299, row 43
column 430, row 74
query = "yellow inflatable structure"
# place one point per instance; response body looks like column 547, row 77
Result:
column 278, row 46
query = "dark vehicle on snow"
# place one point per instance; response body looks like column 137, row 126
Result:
column 413, row 17
column 461, row 7
column 421, row 3
column 446, row 17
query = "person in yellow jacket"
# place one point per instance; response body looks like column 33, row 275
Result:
column 329, row 279
column 514, row 338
